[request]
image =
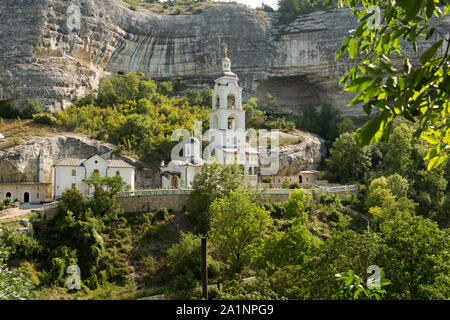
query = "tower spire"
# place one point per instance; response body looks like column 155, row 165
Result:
column 226, row 62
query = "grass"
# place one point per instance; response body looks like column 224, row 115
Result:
column 12, row 222
column 16, row 131
column 286, row 141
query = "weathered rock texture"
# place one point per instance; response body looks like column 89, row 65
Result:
column 21, row 163
column 306, row 155
column 41, row 58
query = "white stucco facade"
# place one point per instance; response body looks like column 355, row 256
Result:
column 72, row 172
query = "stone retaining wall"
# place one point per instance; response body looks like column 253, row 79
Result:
column 153, row 202
column 177, row 202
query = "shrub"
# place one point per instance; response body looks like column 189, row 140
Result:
column 186, row 256
column 7, row 202
column 31, row 107
column 44, row 118
column 161, row 214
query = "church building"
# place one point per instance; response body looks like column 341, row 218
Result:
column 70, row 172
column 227, row 136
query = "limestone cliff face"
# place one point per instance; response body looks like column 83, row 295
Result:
column 21, row 163
column 41, row 58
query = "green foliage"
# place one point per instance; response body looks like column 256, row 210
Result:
column 418, row 94
column 31, row 107
column 238, row 225
column 134, row 113
column 44, row 118
column 417, row 257
column 93, row 236
column 398, row 150
column 346, row 125
column 353, row 286
column 7, row 202
column 212, row 181
column 186, row 256
column 161, row 214
column 105, row 191
column 13, row 284
column 348, row 162
column 297, row 206
column 290, row 9
column 284, row 248
column 254, row 118
column 323, row 123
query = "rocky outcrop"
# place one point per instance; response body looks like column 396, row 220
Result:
column 41, row 57
column 306, row 155
column 21, row 163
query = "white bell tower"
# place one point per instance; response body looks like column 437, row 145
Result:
column 227, row 119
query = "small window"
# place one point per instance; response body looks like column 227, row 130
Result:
column 117, row 173
column 8, row 194
column 74, row 185
column 217, row 101
column 37, row 195
column 74, row 173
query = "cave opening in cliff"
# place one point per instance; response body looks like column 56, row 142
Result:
column 7, row 109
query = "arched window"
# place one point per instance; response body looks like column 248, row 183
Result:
column 217, row 101
column 8, row 195
column 117, row 173
column 231, row 123
column 231, row 101
column 96, row 171
column 74, row 173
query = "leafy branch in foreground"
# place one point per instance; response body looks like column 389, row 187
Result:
column 353, row 287
column 418, row 94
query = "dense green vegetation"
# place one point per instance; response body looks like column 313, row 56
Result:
column 418, row 94
column 135, row 113
column 291, row 9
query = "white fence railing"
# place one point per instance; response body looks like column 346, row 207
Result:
column 149, row 192
column 50, row 206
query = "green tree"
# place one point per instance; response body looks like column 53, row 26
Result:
column 105, row 191
column 297, row 206
column 346, row 125
column 284, row 248
column 418, row 94
column 347, row 162
column 398, row 150
column 254, row 118
column 212, row 181
column 186, row 256
column 238, row 225
column 418, row 255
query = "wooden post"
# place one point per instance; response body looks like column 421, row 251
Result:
column 204, row 270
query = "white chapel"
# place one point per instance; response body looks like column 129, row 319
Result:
column 227, row 136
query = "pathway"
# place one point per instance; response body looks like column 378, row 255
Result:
column 23, row 209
